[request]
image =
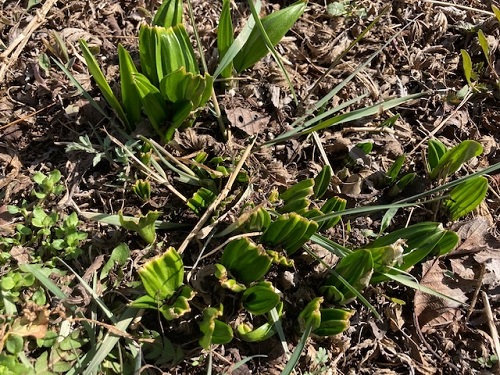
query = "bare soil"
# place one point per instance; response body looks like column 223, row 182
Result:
column 41, row 111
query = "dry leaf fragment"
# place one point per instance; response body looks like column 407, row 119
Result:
column 431, row 310
column 250, row 122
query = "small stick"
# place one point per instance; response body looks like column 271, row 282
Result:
column 438, row 128
column 155, row 175
column 476, row 293
column 491, row 323
column 464, row 7
column 223, row 194
column 20, row 42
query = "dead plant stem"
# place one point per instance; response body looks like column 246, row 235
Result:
column 223, row 194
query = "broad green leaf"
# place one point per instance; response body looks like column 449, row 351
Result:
column 152, row 102
column 467, row 66
column 276, row 25
column 180, row 306
column 246, row 261
column 334, row 204
column 435, row 151
column 302, row 232
column 130, row 95
column 258, row 220
column 227, row 283
column 214, row 331
column 174, row 50
column 301, row 189
column 483, row 42
column 200, row 200
column 422, row 240
column 238, row 43
column 395, row 168
column 143, row 225
column 119, row 256
column 162, row 276
column 366, row 147
column 168, row 14
column 356, row 269
column 333, row 322
column 496, row 11
column 260, row 298
column 466, row 196
column 401, row 184
column 387, row 219
column 147, row 53
column 248, row 334
column 225, row 36
column 291, row 230
column 185, row 86
column 322, row 181
column 453, row 159
column 311, row 314
column 279, row 229
column 103, row 85
column 180, row 113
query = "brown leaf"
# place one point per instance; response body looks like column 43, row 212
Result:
column 250, row 122
column 431, row 310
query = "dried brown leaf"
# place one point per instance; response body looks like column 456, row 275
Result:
column 431, row 310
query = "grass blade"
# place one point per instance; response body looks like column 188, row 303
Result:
column 101, row 82
column 294, row 359
column 346, row 117
column 225, row 36
column 238, row 43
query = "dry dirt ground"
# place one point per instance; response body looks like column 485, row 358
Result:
column 40, row 111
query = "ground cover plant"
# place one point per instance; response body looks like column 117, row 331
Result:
column 296, row 199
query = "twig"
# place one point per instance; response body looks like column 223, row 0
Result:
column 476, row 293
column 491, row 323
column 464, row 7
column 25, row 117
column 223, row 194
column 17, row 46
column 437, row 128
column 420, row 335
column 142, row 166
